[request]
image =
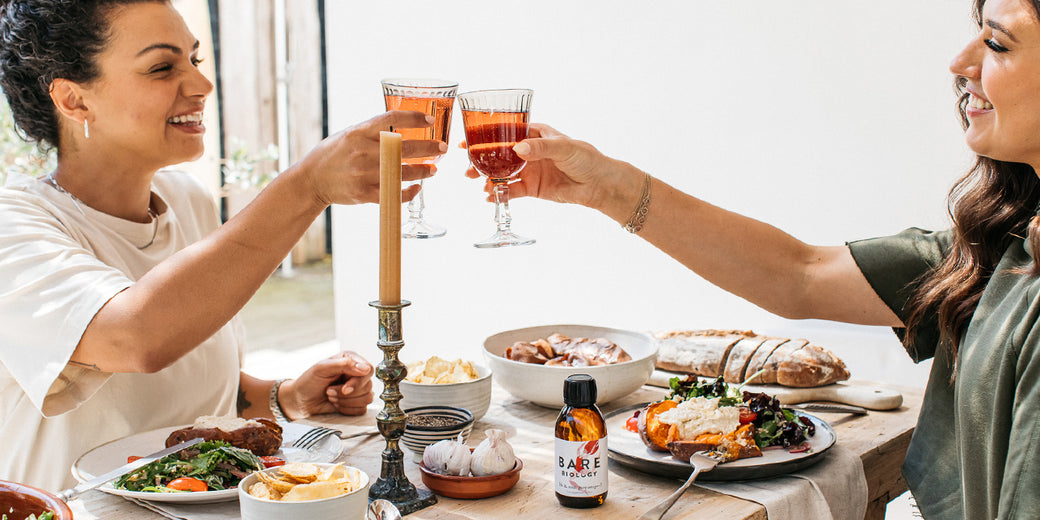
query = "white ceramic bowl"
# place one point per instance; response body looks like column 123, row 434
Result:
column 350, row 506
column 474, row 396
column 417, row 438
column 543, row 385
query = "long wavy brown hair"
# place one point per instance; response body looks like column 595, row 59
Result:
column 993, row 205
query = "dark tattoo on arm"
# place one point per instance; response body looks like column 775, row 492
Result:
column 243, row 403
column 85, row 365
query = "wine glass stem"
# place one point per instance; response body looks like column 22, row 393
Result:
column 417, row 204
column 502, row 217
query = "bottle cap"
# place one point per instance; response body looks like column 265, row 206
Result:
column 579, row 390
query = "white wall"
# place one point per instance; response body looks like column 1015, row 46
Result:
column 832, row 120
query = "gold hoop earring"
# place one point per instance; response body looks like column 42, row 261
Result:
column 86, row 129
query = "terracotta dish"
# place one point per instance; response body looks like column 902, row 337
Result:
column 471, row 487
column 18, row 501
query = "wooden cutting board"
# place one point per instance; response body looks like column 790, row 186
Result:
column 859, row 395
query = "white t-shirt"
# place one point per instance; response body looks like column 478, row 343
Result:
column 60, row 262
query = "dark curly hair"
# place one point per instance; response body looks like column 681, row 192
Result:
column 41, row 40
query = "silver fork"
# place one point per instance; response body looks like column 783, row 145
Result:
column 314, row 436
column 701, row 462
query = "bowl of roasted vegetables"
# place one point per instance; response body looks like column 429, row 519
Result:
column 532, row 363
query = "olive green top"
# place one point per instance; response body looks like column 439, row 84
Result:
column 976, row 450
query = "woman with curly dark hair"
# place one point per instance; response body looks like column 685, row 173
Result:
column 118, row 285
column 968, row 296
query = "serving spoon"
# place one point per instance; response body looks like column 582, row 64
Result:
column 701, row 462
column 381, row 509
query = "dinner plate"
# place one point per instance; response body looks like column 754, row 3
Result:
column 113, row 454
column 627, row 448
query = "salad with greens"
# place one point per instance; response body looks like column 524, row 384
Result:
column 46, row 515
column 207, row 466
column 774, row 425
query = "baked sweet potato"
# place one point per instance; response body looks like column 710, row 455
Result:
column 260, row 436
column 738, row 444
column 654, row 433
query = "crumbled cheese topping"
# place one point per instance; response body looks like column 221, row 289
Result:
column 226, row 423
column 699, row 415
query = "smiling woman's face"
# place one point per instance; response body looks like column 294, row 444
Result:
column 1002, row 68
column 148, row 102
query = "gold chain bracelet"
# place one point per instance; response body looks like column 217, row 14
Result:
column 638, row 218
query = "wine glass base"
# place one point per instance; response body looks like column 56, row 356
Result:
column 503, row 239
column 421, row 229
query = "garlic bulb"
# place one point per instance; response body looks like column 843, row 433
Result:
column 447, row 457
column 493, row 455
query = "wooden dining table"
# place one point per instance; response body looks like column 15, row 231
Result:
column 880, row 438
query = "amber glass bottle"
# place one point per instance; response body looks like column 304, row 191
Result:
column 581, row 446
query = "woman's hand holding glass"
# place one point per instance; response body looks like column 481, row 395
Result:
column 566, row 170
column 344, row 167
column 494, row 121
column 435, row 98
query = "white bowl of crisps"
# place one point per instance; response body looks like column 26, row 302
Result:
column 304, row 490
column 532, row 363
column 437, row 381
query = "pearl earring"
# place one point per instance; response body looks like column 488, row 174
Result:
column 86, row 129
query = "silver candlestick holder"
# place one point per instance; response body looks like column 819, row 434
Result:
column 393, row 484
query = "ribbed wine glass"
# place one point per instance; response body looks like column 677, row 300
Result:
column 495, row 120
column 433, row 97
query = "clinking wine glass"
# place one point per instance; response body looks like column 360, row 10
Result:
column 495, row 120
column 435, row 98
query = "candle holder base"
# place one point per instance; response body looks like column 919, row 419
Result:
column 393, row 484
column 405, row 502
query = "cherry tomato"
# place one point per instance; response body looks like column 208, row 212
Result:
column 271, row 461
column 187, row 484
column 632, row 424
column 132, row 458
column 747, row 416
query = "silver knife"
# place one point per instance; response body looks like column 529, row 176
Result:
column 828, row 407
column 124, row 469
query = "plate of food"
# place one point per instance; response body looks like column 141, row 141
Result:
column 237, row 448
column 750, row 432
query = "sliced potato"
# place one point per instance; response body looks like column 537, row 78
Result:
column 654, row 433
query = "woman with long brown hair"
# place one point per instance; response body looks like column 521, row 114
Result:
column 969, row 296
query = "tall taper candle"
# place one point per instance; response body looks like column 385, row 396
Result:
column 389, row 218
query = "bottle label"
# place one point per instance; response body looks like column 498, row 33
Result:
column 581, row 467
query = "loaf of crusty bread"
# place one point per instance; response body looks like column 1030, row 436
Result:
column 738, row 355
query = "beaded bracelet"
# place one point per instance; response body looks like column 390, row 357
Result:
column 638, row 218
column 276, row 409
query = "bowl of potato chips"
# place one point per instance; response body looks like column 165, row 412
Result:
column 437, row 381
column 304, row 490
